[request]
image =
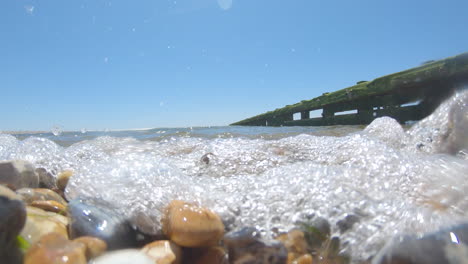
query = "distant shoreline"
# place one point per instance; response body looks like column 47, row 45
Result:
column 23, row 132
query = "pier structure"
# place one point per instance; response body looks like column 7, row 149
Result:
column 405, row 96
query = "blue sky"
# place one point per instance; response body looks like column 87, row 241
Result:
column 154, row 63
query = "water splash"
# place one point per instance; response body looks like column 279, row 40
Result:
column 380, row 174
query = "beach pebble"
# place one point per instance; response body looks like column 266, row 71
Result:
column 40, row 223
column 125, row 256
column 30, row 195
column 54, row 248
column 190, row 225
column 12, row 220
column 445, row 246
column 246, row 246
column 347, row 222
column 94, row 246
column 295, row 243
column 50, row 206
column 19, row 174
column 46, row 179
column 63, row 178
column 95, row 218
column 7, row 192
column 163, row 252
column 316, row 232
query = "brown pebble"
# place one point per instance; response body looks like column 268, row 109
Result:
column 190, row 225
column 294, row 241
column 163, row 252
column 94, row 246
column 63, row 178
column 51, row 206
column 54, row 248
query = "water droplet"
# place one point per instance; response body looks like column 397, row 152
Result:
column 56, row 130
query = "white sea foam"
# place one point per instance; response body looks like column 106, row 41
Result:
column 395, row 181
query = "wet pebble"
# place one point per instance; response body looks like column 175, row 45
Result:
column 94, row 246
column 246, row 246
column 39, row 223
column 295, row 243
column 54, row 248
column 95, row 218
column 50, row 206
column 163, row 252
column 190, row 225
column 347, row 222
column 30, row 195
column 63, row 178
column 19, row 174
column 46, row 179
column 125, row 256
column 7, row 192
column 12, row 220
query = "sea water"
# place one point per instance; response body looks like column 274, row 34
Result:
column 396, row 180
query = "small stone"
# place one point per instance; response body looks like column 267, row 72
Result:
column 40, row 223
column 94, row 246
column 19, row 174
column 46, row 179
column 347, row 223
column 50, row 206
column 7, row 192
column 245, row 246
column 39, row 194
column 294, row 241
column 163, row 252
column 212, row 255
column 96, row 218
column 12, row 220
column 316, row 232
column 125, row 256
column 54, row 248
column 63, row 178
column 190, row 225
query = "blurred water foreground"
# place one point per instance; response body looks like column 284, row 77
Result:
column 370, row 184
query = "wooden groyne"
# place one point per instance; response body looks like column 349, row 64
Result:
column 407, row 95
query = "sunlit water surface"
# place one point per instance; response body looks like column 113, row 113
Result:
column 396, row 180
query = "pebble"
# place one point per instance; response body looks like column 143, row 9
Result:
column 7, row 192
column 125, row 256
column 30, row 195
column 19, row 174
column 245, row 246
column 12, row 220
column 190, row 225
column 163, row 252
column 445, row 246
column 54, row 248
column 95, row 218
column 50, row 206
column 294, row 241
column 40, row 223
column 94, row 246
column 63, row 178
column 46, row 179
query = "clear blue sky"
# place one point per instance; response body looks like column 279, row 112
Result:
column 155, row 63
